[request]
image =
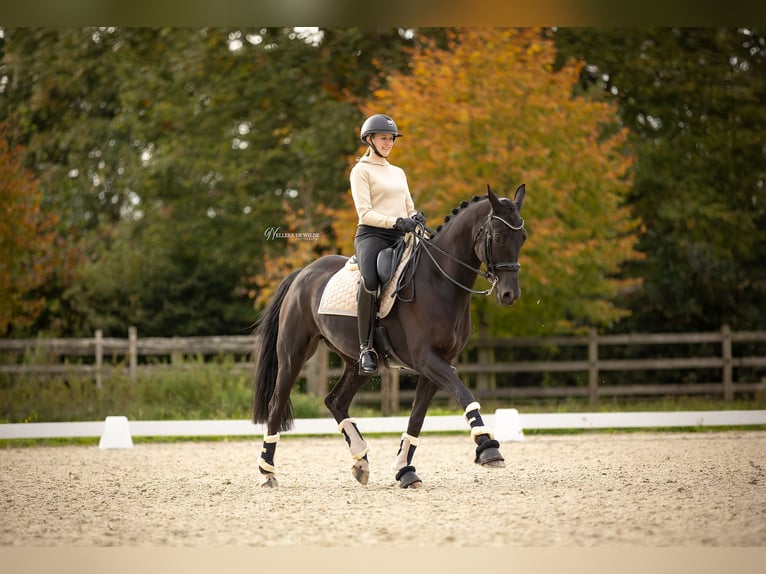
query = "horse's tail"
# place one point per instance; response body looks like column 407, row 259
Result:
column 266, row 360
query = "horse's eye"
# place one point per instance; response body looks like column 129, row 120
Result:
column 497, row 238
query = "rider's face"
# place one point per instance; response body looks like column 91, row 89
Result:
column 384, row 143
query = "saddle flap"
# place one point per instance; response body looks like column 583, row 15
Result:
column 388, row 260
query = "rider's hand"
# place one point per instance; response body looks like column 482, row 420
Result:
column 420, row 218
column 406, row 224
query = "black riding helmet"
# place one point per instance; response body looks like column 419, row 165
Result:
column 378, row 124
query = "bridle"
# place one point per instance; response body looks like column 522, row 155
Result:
column 492, row 268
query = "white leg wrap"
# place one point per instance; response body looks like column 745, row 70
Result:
column 474, row 406
column 476, row 431
column 271, row 438
column 356, row 443
column 268, row 439
column 406, row 450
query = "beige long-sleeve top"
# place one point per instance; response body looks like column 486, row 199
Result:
column 380, row 192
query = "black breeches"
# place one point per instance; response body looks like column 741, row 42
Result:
column 370, row 241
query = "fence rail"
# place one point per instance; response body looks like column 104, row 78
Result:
column 101, row 357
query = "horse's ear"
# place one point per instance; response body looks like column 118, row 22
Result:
column 493, row 200
column 518, row 196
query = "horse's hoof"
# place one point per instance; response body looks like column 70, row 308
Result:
column 410, row 480
column 489, row 456
column 416, row 485
column 494, row 464
column 271, row 482
column 361, row 471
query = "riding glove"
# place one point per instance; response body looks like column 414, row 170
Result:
column 406, row 224
column 420, row 218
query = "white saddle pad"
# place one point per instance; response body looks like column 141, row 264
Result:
column 339, row 296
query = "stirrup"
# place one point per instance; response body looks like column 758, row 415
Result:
column 368, row 361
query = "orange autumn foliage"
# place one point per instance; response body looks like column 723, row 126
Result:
column 27, row 256
column 492, row 109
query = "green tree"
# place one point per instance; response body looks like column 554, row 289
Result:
column 693, row 100
column 168, row 152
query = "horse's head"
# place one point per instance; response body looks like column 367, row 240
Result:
column 503, row 237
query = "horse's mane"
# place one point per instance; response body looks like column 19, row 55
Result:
column 459, row 208
column 463, row 205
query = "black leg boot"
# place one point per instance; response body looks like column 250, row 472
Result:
column 368, row 358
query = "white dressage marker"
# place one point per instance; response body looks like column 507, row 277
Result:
column 116, row 434
column 508, row 425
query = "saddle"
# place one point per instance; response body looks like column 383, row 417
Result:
column 339, row 295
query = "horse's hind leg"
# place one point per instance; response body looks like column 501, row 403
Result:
column 277, row 408
column 266, row 460
column 291, row 360
column 339, row 401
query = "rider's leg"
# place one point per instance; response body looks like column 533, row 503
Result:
column 367, row 244
column 366, row 310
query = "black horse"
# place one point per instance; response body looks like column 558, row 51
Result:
column 426, row 331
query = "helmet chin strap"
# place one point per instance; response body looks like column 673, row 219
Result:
column 375, row 149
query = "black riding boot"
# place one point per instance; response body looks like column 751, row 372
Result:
column 368, row 358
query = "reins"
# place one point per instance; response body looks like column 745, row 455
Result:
column 491, row 277
column 424, row 243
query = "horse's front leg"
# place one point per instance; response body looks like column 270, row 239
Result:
column 402, row 465
column 487, row 447
column 338, row 402
column 444, row 375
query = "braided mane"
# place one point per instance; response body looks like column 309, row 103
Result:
column 459, row 208
column 465, row 204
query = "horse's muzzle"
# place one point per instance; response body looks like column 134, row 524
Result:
column 508, row 297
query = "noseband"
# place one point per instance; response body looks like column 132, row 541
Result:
column 492, row 267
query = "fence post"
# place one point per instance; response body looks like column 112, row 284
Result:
column 394, row 392
column 132, row 353
column 99, row 336
column 389, row 392
column 728, row 380
column 593, row 366
column 485, row 355
column 385, row 389
column 485, row 381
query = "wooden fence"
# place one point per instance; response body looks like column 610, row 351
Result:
column 482, row 364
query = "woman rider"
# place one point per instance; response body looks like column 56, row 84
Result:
column 386, row 212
